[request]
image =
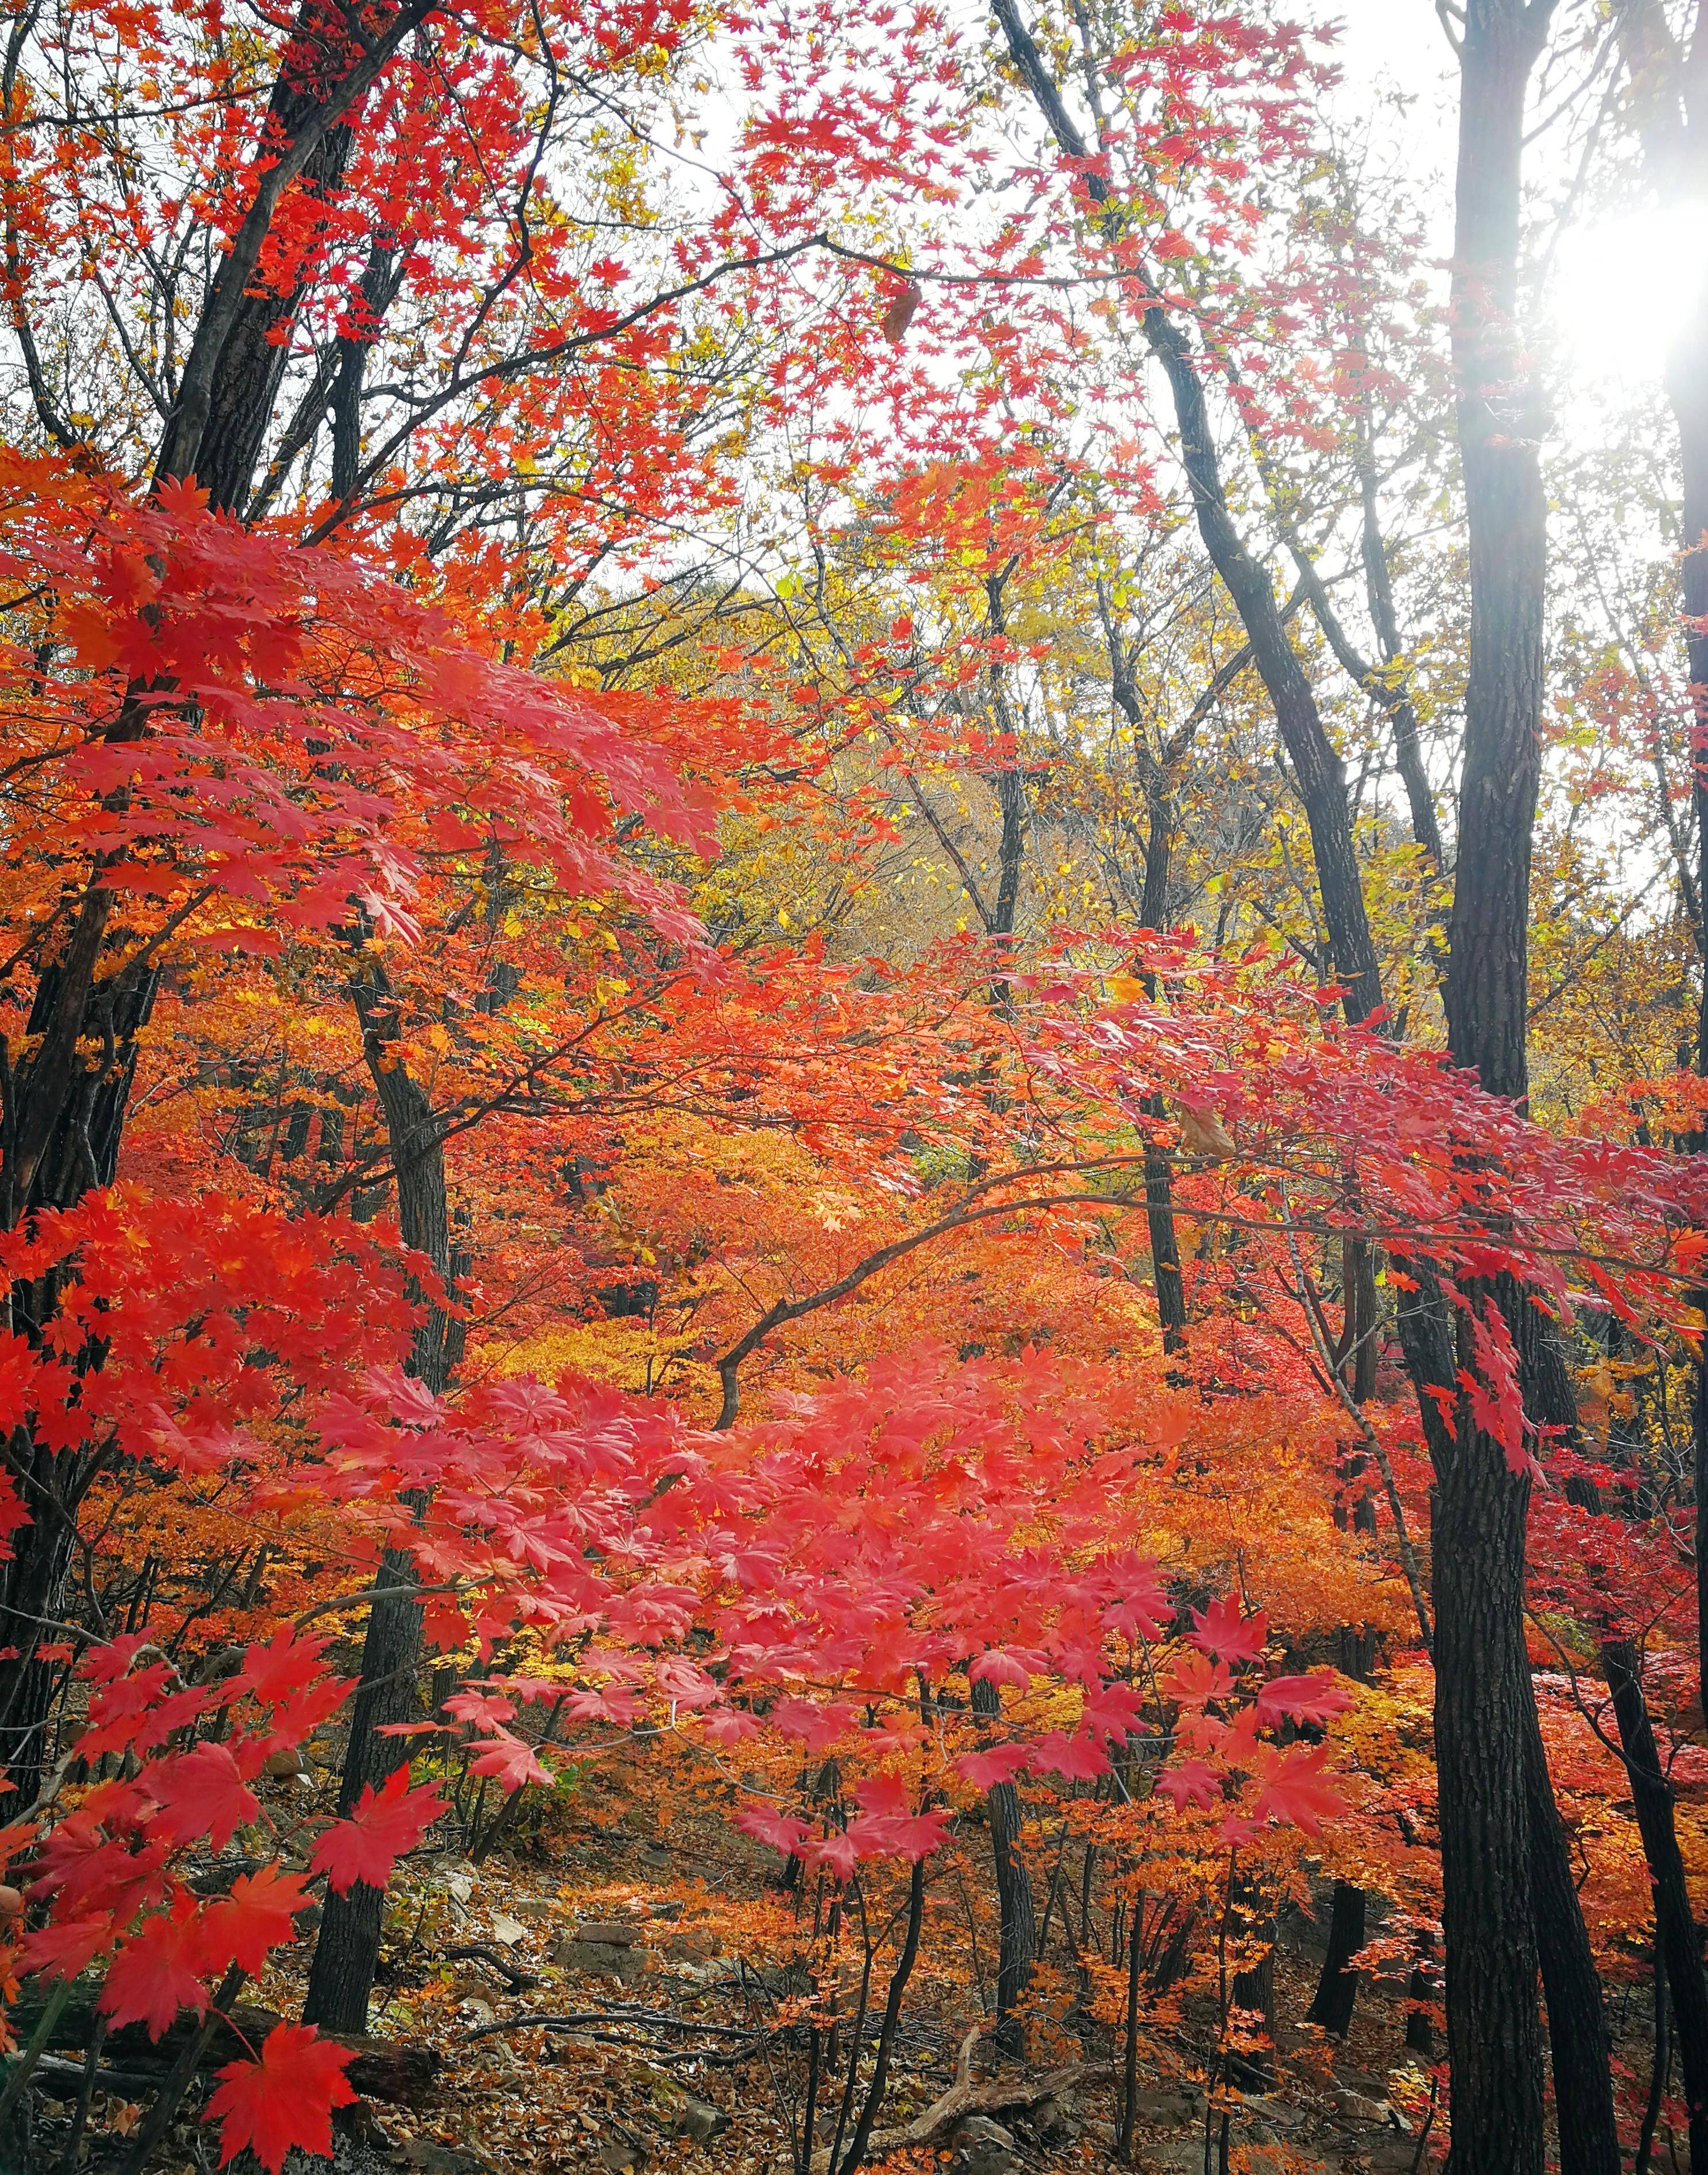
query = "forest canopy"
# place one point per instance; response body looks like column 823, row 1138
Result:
column 853, row 1070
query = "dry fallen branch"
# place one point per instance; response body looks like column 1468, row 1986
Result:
column 1002, row 2095
column 483, row 1952
column 577, row 2020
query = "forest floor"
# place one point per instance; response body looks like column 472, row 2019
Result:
column 670, row 2057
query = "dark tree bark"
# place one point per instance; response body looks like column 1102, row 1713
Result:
column 1485, row 1708
column 1338, row 1985
column 1316, row 764
column 1160, row 769
column 1169, row 1284
column 1402, row 716
column 1577, row 2024
column 886, row 2033
column 1502, row 1854
column 1337, row 1989
column 1017, row 1910
column 378, row 290
column 347, row 1951
column 1500, row 422
column 1255, row 1990
column 1483, row 1690
column 230, row 378
column 1678, row 1942
column 62, row 1116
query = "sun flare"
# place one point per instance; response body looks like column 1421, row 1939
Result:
column 1622, row 289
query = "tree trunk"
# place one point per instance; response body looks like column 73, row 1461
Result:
column 1676, row 1934
column 1506, row 1910
column 1482, row 1694
column 1169, row 1284
column 1337, row 1989
column 347, row 1951
column 1337, row 1986
column 1316, row 764
column 1255, row 1990
column 1017, row 1913
column 60, row 1132
column 1484, row 1712
column 1577, row 2023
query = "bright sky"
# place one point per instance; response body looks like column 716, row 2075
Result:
column 1397, row 41
column 1620, row 287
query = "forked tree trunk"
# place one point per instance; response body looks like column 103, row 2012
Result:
column 1485, row 1708
column 61, row 1118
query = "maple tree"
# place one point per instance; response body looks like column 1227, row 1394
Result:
column 720, row 1034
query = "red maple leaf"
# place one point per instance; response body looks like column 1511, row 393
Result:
column 284, row 1665
column 1221, row 1630
column 1001, row 1764
column 1190, row 1782
column 838, row 1852
column 766, row 1824
column 1294, row 1788
column 1496, row 1403
column 67, row 1946
column 1313, row 1698
column 200, row 1793
column 284, row 2097
column 13, row 1516
column 1078, row 1758
column 995, row 1666
column 384, row 1824
column 259, row 1914
column 885, row 1795
column 158, row 1972
column 511, row 1760
column 1194, row 1681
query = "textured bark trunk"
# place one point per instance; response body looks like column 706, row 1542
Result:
column 230, row 377
column 1485, row 1712
column 346, row 1950
column 63, row 1118
column 346, row 1953
column 1576, row 2015
column 1408, row 750
column 1017, row 1910
column 1500, row 421
column 1506, row 1910
column 1676, row 1935
column 1255, row 1990
column 258, row 349
column 1169, row 1284
column 1577, row 2024
column 1337, row 1986
column 1337, row 1989
column 61, row 1125
column 1483, row 1694
column 379, row 286
column 1316, row 765
column 1011, row 852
